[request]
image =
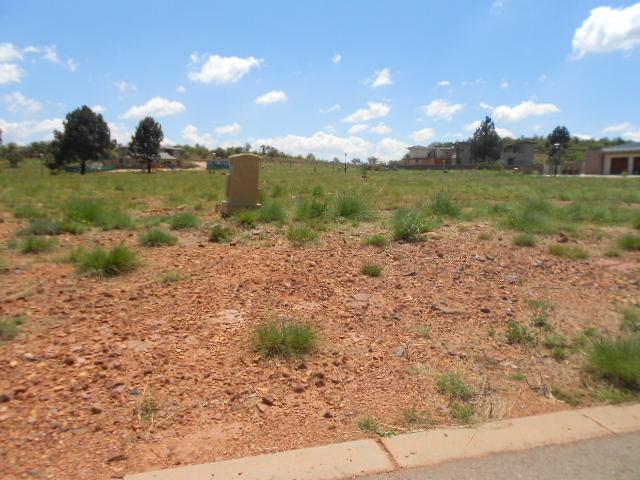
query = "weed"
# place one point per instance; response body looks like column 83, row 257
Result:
column 29, row 212
column 184, row 220
column 170, row 276
column 220, row 233
column 571, row 397
column 247, row 218
column 613, row 253
column 409, row 223
column 9, row 327
column 442, row 205
column 560, row 353
column 93, row 212
column 271, row 213
column 462, row 412
column 573, row 252
column 33, row 244
column 454, row 385
column 518, row 334
column 525, row 240
column 630, row 242
column 300, row 234
column 424, row 331
column 284, row 339
column 539, row 304
column 352, row 205
column 369, row 424
column 371, row 270
column 518, row 377
column 631, row 320
column 541, row 320
column 313, row 209
column 376, row 240
column 533, row 217
column 484, row 236
column 103, row 263
column 412, row 417
column 492, row 332
column 556, row 341
column 148, row 408
column 617, row 360
column 157, row 238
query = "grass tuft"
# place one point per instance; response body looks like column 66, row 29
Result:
column 409, row 223
column 271, row 213
column 573, row 252
column 28, row 212
column 525, row 240
column 184, row 221
column 219, row 233
column 103, row 263
column 519, row 334
column 352, row 205
column 462, row 412
column 442, row 206
column 89, row 211
column 290, row 339
column 414, row 418
column 376, row 240
column 34, row 244
column 301, row 234
column 313, row 209
column 9, row 327
column 631, row 320
column 157, row 238
column 630, row 242
column 371, row 270
column 617, row 360
column 454, row 385
column 247, row 218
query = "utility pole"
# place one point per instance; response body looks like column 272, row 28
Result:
column 345, row 162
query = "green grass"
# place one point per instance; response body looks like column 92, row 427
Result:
column 525, row 240
column 455, row 386
column 630, row 243
column 35, row 244
column 289, row 339
column 311, row 209
column 47, row 226
column 219, row 233
column 518, row 377
column 107, row 263
column 541, row 320
column 414, row 418
column 441, row 205
column 301, row 234
column 157, row 238
column 95, row 213
column 353, row 205
column 376, row 240
column 484, row 236
column 148, row 408
column 170, row 276
column 184, row 221
column 271, row 213
column 612, row 253
column 410, row 223
column 462, row 412
column 29, row 212
column 247, row 218
column 368, row 424
column 573, row 252
column 518, row 334
column 10, row 327
column 631, row 320
column 534, row 216
column 371, row 270
column 618, row 361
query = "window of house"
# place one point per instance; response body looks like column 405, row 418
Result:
column 511, row 161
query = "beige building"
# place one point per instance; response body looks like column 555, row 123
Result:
column 617, row 160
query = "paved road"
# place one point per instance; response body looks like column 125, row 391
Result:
column 616, row 457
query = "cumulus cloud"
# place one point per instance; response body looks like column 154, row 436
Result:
column 120, row 133
column 10, row 73
column 19, row 103
column 624, row 130
column 157, row 106
column 72, row 64
column 498, row 6
column 232, row 129
column 50, row 53
column 608, row 29
column 124, row 86
column 191, row 134
column 502, row 132
column 29, row 131
column 337, row 58
column 274, row 96
column 181, row 89
column 220, row 70
column 584, row 136
column 523, row 110
column 390, row 149
column 423, row 135
column 621, row 127
column 380, row 129
column 444, row 83
column 382, row 78
column 9, row 52
column 358, row 128
column 333, row 108
column 375, row 110
column 505, row 85
column 98, row 109
column 442, row 109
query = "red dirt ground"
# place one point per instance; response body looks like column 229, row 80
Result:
column 91, row 349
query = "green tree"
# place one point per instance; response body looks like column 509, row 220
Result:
column 145, row 143
column 11, row 152
column 485, row 143
column 85, row 136
column 559, row 140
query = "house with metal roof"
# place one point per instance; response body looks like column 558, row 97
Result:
column 617, row 160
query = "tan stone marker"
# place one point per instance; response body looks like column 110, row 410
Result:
column 242, row 183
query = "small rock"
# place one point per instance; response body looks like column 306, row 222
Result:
column 117, row 458
column 327, row 414
column 485, row 310
column 69, row 361
column 95, row 409
column 268, row 400
column 30, row 356
column 400, row 352
column 135, row 391
column 262, row 408
column 299, row 388
column 4, row 398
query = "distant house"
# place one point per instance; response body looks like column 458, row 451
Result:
column 168, row 157
column 420, row 156
column 617, row 160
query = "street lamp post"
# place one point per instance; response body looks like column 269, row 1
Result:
column 345, row 162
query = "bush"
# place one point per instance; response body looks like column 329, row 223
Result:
column 518, row 334
column 630, row 242
column 286, row 340
column 93, row 212
column 377, row 240
column 33, row 244
column 157, row 238
column 313, row 209
column 462, row 412
column 184, row 221
column 409, row 223
column 9, row 327
column 299, row 234
column 219, row 233
column 454, row 385
column 525, row 240
column 573, row 252
column 371, row 270
column 271, row 212
column 103, row 263
column 247, row 218
column 618, row 361
column 354, row 206
column 442, row 205
column 29, row 212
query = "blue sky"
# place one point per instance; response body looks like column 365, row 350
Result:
column 365, row 77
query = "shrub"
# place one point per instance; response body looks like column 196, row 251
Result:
column 617, row 360
column 631, row 320
column 33, row 244
column 299, row 234
column 630, row 242
column 9, row 327
column 220, row 233
column 377, row 240
column 93, row 212
column 454, row 385
column 462, row 412
column 311, row 209
column 409, row 223
column 573, row 252
column 103, row 263
column 157, row 238
column 351, row 205
column 371, row 270
column 284, row 339
column 271, row 212
column 184, row 221
column 525, row 240
column 442, row 205
column 29, row 212
column 518, row 334
column 148, row 408
column 247, row 218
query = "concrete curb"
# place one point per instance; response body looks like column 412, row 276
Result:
column 341, row 460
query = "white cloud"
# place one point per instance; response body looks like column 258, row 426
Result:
column 442, row 109
column 167, row 142
column 503, row 132
column 423, row 135
column 193, row 136
column 375, row 110
column 444, row 83
column 358, row 128
column 274, row 96
column 498, row 6
column 157, row 106
column 120, row 133
column 232, row 129
column 505, row 85
column 618, row 128
column 337, row 58
column 29, row 131
column 485, row 106
column 380, row 129
column 98, row 109
column 125, row 87
column 543, row 78
column 321, row 144
column 9, row 52
column 220, row 70
column 477, row 81
column 583, row 136
column 333, row 108
column 181, row 89
column 18, row 103
column 72, row 64
column 383, row 78
column 10, row 73
column 523, row 110
column 624, row 130
column 50, row 53
column 390, row 149
column 608, row 29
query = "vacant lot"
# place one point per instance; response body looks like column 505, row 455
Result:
column 138, row 330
